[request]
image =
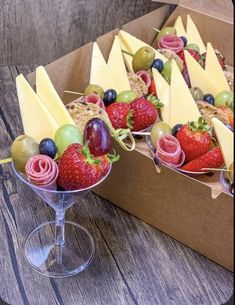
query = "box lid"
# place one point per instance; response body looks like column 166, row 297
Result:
column 222, row 10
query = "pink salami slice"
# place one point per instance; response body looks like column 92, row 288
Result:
column 145, row 76
column 94, row 99
column 171, row 42
column 168, row 151
column 42, row 171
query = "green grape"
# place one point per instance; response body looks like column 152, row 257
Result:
column 159, row 129
column 193, row 46
column 126, row 96
column 94, row 89
column 197, row 93
column 168, row 30
column 166, row 72
column 224, row 98
column 67, row 134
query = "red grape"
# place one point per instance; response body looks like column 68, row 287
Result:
column 97, row 137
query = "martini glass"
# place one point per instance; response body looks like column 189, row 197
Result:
column 59, row 248
column 228, row 186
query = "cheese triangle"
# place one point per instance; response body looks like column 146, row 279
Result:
column 163, row 93
column 131, row 44
column 128, row 62
column 117, row 67
column 183, row 108
column 198, row 76
column 37, row 120
column 225, row 138
column 50, row 98
column 214, row 69
column 193, row 35
column 100, row 72
column 180, row 30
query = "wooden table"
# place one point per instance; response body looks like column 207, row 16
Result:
column 134, row 263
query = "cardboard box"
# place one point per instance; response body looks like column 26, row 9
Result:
column 195, row 211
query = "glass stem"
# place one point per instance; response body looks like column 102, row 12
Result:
column 59, row 227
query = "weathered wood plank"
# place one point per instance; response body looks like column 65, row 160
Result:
column 40, row 31
column 134, row 263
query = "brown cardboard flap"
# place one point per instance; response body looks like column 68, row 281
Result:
column 222, row 10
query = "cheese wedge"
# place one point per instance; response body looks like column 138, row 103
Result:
column 100, row 72
column 128, row 62
column 226, row 141
column 183, row 108
column 131, row 44
column 214, row 69
column 50, row 98
column 37, row 120
column 163, row 93
column 193, row 35
column 180, row 30
column 117, row 67
column 199, row 77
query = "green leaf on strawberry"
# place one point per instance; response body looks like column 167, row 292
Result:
column 155, row 101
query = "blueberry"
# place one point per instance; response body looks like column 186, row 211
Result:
column 175, row 129
column 47, row 147
column 185, row 41
column 109, row 97
column 158, row 64
column 209, row 98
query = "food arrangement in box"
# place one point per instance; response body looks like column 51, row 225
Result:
column 178, row 92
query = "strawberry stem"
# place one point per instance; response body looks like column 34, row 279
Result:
column 89, row 157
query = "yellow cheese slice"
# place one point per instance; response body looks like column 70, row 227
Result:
column 180, row 30
column 128, row 62
column 37, row 120
column 183, row 108
column 226, row 141
column 163, row 93
column 131, row 44
column 199, row 77
column 117, row 67
column 193, row 35
column 100, row 72
column 50, row 98
column 214, row 69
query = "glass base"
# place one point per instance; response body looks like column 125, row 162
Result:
column 59, row 261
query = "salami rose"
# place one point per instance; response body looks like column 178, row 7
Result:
column 94, row 99
column 145, row 76
column 42, row 171
column 168, row 151
column 171, row 42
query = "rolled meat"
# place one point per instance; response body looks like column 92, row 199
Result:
column 168, row 151
column 94, row 99
column 171, row 42
column 42, row 171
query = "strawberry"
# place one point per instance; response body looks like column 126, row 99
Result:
column 152, row 88
column 78, row 169
column 193, row 53
column 144, row 112
column 220, row 57
column 120, row 115
column 211, row 159
column 229, row 114
column 194, row 139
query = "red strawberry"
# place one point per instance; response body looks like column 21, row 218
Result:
column 229, row 114
column 77, row 168
column 152, row 88
column 193, row 53
column 194, row 139
column 119, row 115
column 144, row 113
column 211, row 159
column 220, row 57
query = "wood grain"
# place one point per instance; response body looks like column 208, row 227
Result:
column 43, row 30
column 135, row 264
